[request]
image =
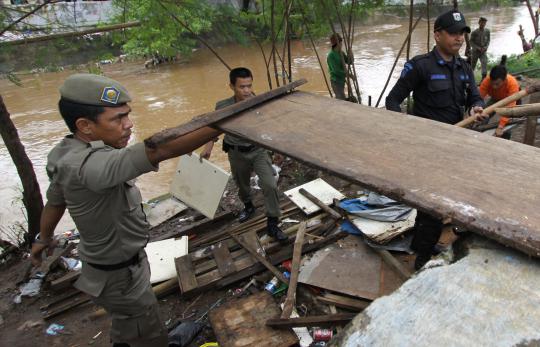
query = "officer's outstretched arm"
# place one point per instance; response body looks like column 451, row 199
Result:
column 181, row 145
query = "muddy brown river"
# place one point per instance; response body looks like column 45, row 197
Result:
column 169, row 95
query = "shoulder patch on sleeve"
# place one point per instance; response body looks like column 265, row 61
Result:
column 408, row 67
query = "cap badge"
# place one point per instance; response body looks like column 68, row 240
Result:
column 457, row 16
column 110, row 95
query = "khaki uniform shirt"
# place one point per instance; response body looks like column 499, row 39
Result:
column 230, row 139
column 480, row 39
column 96, row 183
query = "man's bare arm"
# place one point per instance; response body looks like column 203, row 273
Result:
column 182, row 145
column 50, row 216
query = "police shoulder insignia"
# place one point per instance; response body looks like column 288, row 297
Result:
column 406, row 68
column 457, row 16
column 110, row 95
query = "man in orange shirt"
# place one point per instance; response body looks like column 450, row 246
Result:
column 497, row 86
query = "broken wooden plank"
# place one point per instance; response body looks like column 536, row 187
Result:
column 343, row 302
column 422, row 163
column 218, row 115
column 186, row 273
column 50, row 262
column 51, row 313
column 328, row 320
column 297, row 257
column 242, row 322
column 279, row 257
column 260, row 258
column 223, row 259
column 65, row 281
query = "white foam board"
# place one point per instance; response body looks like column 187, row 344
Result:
column 320, row 189
column 161, row 256
column 200, row 185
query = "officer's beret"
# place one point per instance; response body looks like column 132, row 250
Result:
column 95, row 90
column 451, row 22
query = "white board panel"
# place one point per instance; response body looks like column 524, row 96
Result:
column 200, row 185
column 320, row 189
column 161, row 256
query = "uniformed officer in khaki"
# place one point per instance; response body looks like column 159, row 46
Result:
column 92, row 173
column 244, row 158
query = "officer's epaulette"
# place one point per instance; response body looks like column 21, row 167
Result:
column 420, row 57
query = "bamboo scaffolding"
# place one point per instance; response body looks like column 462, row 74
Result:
column 396, row 60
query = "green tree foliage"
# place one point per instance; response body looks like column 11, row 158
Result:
column 528, row 63
column 159, row 32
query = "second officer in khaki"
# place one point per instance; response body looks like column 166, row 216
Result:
column 244, row 158
column 92, row 174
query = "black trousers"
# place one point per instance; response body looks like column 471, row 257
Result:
column 427, row 232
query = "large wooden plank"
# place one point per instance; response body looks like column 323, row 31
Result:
column 243, row 323
column 484, row 183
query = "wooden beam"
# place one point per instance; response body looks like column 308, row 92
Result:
column 210, row 118
column 295, row 267
column 530, row 130
column 344, row 302
column 394, row 264
column 329, row 320
column 528, row 110
column 65, row 281
column 319, row 203
column 260, row 258
column 186, row 273
column 407, row 159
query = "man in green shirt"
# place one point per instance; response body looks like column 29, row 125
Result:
column 245, row 157
column 336, row 61
column 92, row 174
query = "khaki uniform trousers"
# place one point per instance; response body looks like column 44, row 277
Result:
column 476, row 55
column 258, row 160
column 129, row 299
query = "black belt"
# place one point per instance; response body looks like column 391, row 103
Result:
column 133, row 261
column 244, row 149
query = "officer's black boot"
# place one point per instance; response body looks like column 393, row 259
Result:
column 247, row 212
column 274, row 231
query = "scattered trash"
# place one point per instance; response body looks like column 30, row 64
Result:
column 322, row 334
column 72, row 263
column 210, row 344
column 96, row 336
column 54, row 329
column 31, row 288
column 29, row 324
column 184, row 333
column 71, row 235
column 290, row 220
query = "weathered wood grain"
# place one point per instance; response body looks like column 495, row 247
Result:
column 484, row 183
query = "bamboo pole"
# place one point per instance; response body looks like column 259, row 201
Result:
column 531, row 13
column 272, row 29
column 70, row 34
column 428, row 26
column 528, row 110
column 265, row 63
column 411, row 9
column 396, row 60
column 198, row 37
column 315, row 49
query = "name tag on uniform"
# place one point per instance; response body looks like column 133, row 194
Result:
column 438, row 77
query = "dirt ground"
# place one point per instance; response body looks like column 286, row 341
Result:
column 22, row 324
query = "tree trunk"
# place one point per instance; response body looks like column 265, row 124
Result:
column 31, row 194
